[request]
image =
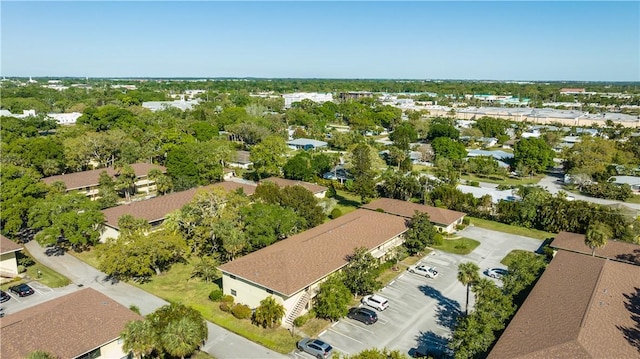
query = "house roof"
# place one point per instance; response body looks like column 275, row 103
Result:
column 281, row 182
column 306, row 141
column 581, row 307
column 157, row 208
column 91, row 178
column 630, row 180
column 66, row 327
column 616, row 250
column 406, row 209
column 294, row 263
column 8, row 246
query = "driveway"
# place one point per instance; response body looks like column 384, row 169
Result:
column 423, row 311
column 221, row 343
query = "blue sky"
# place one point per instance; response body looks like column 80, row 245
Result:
column 595, row 41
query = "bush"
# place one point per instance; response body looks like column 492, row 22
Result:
column 466, row 221
column 224, row 306
column 241, row 311
column 438, row 239
column 216, row 295
column 301, row 320
column 227, row 299
column 134, row 308
column 24, row 259
column 22, row 269
column 335, row 213
column 473, row 183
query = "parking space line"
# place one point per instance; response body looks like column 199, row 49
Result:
column 341, row 350
column 15, row 297
column 357, row 326
column 344, row 335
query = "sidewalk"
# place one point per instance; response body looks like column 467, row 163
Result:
column 221, row 343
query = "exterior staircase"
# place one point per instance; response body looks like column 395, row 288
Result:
column 297, row 309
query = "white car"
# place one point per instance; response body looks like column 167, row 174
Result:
column 421, row 269
column 376, row 302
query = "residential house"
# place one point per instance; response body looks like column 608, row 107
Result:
column 632, row 181
column 292, row 269
column 83, row 324
column 65, row 118
column 317, row 190
column 581, row 307
column 87, row 182
column 306, row 144
column 242, row 159
column 444, row 220
column 156, row 209
column 8, row 261
column 496, row 195
column 501, row 156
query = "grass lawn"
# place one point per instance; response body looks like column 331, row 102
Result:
column 634, row 199
column 505, row 180
column 347, row 202
column 509, row 257
column 458, row 246
column 42, row 274
column 506, row 228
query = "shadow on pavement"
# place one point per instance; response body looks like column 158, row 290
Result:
column 447, row 311
column 432, row 345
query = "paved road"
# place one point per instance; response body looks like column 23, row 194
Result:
column 221, row 343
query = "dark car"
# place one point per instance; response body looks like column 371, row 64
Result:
column 315, row 347
column 436, row 351
column 365, row 315
column 22, row 290
column 4, row 296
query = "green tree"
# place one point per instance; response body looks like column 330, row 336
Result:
column 125, row 180
column 181, row 337
column 597, row 236
column 299, row 167
column 333, row 298
column 267, row 223
column 304, row 204
column 164, row 184
column 374, row 353
column 139, row 338
column 448, row 148
column 491, row 127
column 206, row 269
column 21, row 189
column 360, row 274
column 468, row 275
column 442, row 128
column 129, row 225
column 182, row 169
column 268, row 156
column 269, row 313
column 362, row 172
column 421, row 233
column 403, row 135
column 523, row 270
column 534, row 153
column 41, row 354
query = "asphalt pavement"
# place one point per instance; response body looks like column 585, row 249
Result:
column 221, row 343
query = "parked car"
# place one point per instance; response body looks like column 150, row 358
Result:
column 315, row 347
column 496, row 272
column 376, row 301
column 428, row 272
column 438, row 351
column 365, row 315
column 4, row 296
column 22, row 290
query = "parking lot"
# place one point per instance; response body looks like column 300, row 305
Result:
column 423, row 311
column 41, row 294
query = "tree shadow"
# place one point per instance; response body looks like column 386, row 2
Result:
column 632, row 333
column 447, row 311
column 633, row 258
column 430, row 344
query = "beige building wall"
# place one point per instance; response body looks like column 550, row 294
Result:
column 112, row 350
column 8, row 265
column 108, row 232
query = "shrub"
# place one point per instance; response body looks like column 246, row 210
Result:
column 473, row 183
column 216, row 295
column 380, row 210
column 227, row 299
column 301, row 320
column 224, row 306
column 24, row 259
column 241, row 311
column 331, row 192
column 336, row 213
column 21, row 269
column 466, row 221
column 438, row 239
column 135, row 309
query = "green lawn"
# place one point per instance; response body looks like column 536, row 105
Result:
column 634, row 199
column 458, row 246
column 506, row 228
column 509, row 257
column 504, row 180
column 347, row 202
column 42, row 274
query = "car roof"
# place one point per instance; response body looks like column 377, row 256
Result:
column 377, row 297
column 366, row 310
column 320, row 343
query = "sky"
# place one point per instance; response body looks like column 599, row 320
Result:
column 502, row 40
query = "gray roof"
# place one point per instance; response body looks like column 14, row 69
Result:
column 496, row 195
column 498, row 155
column 306, row 141
column 630, row 180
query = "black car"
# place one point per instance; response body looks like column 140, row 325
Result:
column 4, row 296
column 365, row 315
column 22, row 290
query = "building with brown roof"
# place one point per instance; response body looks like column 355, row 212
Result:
column 83, row 324
column 581, row 307
column 8, row 261
column 156, row 209
column 615, row 250
column 87, row 181
column 317, row 190
column 292, row 269
column 444, row 219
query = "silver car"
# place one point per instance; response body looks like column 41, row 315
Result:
column 315, row 347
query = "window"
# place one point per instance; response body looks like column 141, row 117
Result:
column 91, row 355
column 269, row 291
column 233, row 292
column 232, row 276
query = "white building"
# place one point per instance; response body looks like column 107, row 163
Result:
column 65, row 118
column 290, row 98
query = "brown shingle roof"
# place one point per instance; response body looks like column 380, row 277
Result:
column 91, row 178
column 579, row 308
column 67, row 327
column 281, row 182
column 8, row 246
column 157, row 208
column 299, row 261
column 621, row 251
column 406, row 209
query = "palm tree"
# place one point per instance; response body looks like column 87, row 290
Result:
column 139, row 338
column 597, row 236
column 182, row 337
column 269, row 313
column 467, row 275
